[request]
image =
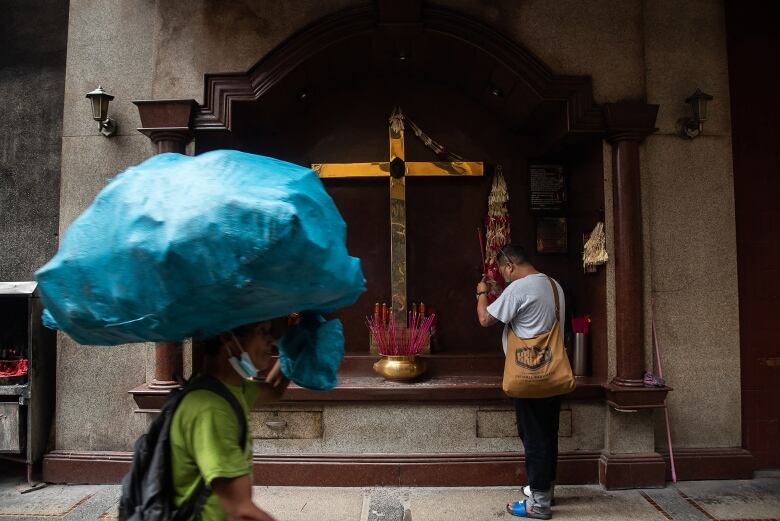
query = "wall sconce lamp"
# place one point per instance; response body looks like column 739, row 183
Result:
column 693, row 126
column 100, row 100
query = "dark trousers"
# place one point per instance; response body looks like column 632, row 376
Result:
column 537, row 425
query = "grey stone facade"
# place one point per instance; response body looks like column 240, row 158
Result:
column 142, row 49
column 33, row 38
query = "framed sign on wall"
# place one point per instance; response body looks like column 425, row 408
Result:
column 552, row 235
column 547, row 188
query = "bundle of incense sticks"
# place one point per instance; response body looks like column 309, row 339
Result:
column 394, row 339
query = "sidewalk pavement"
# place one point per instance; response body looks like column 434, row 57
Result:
column 757, row 499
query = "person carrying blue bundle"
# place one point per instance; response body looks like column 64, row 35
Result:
column 254, row 239
column 196, row 460
column 205, row 427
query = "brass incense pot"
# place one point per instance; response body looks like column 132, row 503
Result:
column 400, row 368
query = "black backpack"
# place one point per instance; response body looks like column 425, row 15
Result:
column 147, row 490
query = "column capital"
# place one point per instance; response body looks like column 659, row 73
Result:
column 629, row 121
column 168, row 123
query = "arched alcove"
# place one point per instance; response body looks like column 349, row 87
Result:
column 421, row 41
column 325, row 95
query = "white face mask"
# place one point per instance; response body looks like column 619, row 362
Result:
column 241, row 364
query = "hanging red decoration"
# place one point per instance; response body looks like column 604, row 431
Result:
column 497, row 227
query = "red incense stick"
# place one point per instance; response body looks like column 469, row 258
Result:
column 481, row 249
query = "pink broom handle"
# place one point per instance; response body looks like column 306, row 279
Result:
column 655, row 342
column 661, row 374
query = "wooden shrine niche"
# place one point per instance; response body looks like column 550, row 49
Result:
column 333, row 108
column 324, row 95
column 349, row 123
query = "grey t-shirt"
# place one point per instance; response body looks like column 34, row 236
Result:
column 527, row 305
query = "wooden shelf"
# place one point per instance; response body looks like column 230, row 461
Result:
column 442, row 388
column 373, row 388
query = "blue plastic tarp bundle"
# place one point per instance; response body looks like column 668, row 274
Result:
column 182, row 246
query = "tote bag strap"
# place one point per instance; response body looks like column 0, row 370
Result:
column 555, row 296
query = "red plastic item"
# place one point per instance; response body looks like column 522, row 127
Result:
column 10, row 368
column 581, row 324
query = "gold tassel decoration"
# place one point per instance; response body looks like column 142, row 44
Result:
column 595, row 251
column 497, row 233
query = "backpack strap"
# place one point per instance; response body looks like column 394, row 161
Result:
column 209, row 383
column 194, row 504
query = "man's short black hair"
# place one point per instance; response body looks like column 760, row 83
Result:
column 513, row 253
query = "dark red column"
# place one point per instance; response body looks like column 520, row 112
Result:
column 627, row 126
column 167, row 124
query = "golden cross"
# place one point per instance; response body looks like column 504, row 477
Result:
column 397, row 169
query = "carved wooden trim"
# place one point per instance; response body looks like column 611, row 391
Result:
column 581, row 115
column 222, row 89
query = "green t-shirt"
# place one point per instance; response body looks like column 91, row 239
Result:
column 204, row 442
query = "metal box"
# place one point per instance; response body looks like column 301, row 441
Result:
column 26, row 401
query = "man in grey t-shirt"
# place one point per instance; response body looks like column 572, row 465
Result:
column 527, row 305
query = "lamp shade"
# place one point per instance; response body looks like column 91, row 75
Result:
column 100, row 100
column 698, row 102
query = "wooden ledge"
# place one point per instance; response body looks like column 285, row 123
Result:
column 362, row 388
column 453, row 388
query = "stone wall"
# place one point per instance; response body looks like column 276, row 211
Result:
column 690, row 233
column 33, row 37
column 658, row 51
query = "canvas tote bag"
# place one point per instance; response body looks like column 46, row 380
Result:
column 538, row 367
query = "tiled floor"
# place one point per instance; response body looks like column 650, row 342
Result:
column 754, row 500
